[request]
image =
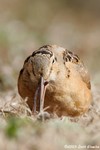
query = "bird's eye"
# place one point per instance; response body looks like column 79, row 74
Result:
column 53, row 61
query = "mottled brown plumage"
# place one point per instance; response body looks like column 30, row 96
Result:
column 68, row 91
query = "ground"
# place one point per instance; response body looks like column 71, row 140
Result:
column 19, row 129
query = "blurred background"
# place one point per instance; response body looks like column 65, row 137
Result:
column 25, row 25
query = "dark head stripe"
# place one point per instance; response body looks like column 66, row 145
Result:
column 43, row 51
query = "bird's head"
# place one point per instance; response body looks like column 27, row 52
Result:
column 42, row 63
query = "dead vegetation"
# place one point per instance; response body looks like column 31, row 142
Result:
column 21, row 130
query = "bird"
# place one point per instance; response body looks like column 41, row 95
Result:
column 56, row 80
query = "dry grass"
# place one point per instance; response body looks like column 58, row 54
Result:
column 21, row 130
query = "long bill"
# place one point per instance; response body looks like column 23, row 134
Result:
column 35, row 100
column 42, row 93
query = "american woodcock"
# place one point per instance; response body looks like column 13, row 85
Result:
column 55, row 78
